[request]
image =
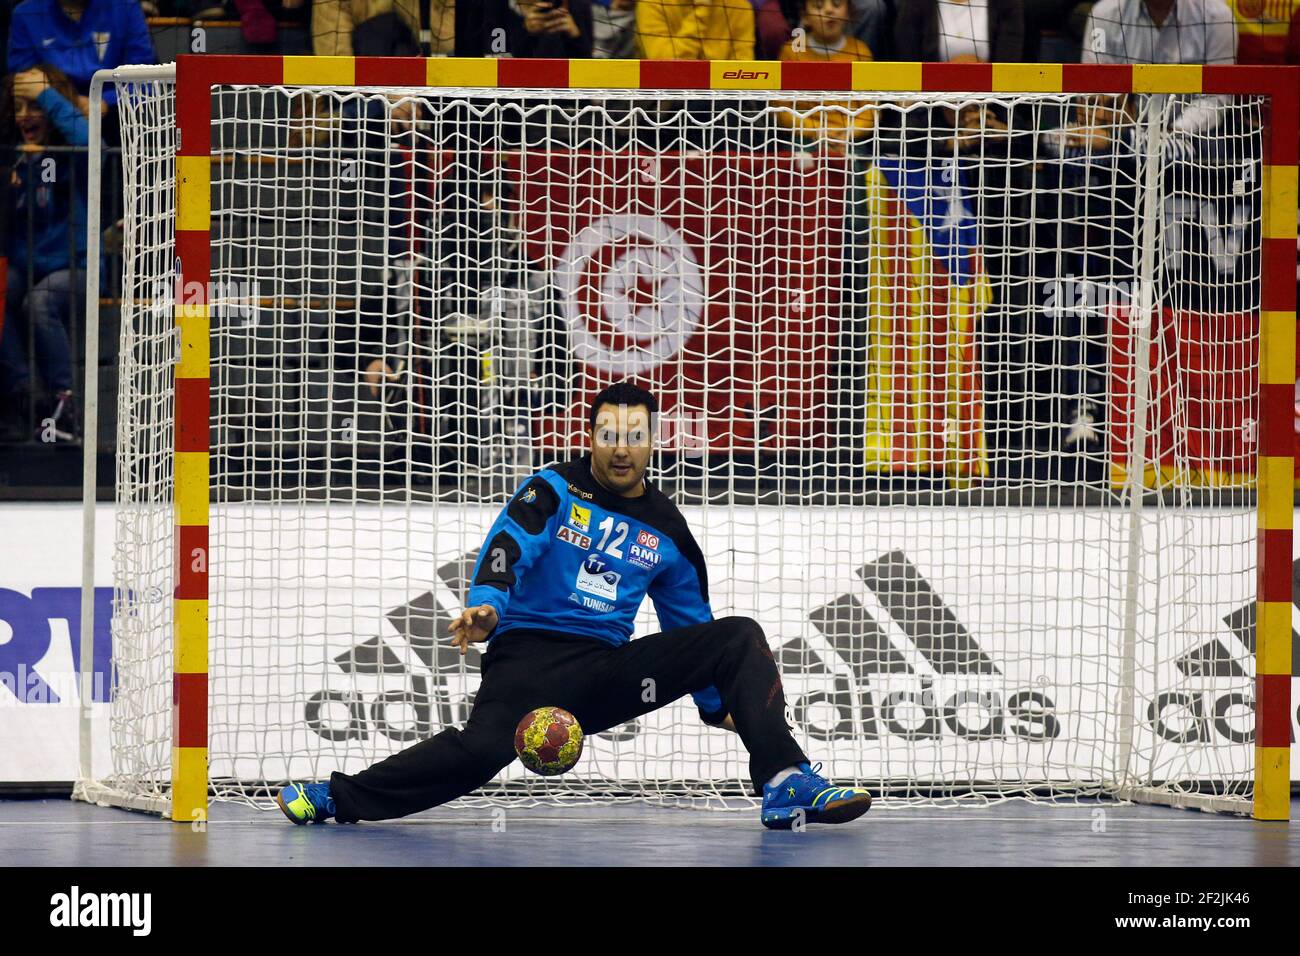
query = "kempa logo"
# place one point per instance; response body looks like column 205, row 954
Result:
column 861, row 708
column 76, row 909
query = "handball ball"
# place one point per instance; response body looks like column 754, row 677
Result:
column 548, row 741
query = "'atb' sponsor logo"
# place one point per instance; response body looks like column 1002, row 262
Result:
column 884, row 694
column 595, row 577
column 575, row 538
column 580, row 518
column 74, row 909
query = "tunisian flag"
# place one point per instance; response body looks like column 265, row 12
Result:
column 712, row 278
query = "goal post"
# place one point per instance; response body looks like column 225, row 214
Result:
column 365, row 297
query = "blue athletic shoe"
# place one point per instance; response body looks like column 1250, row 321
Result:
column 306, row 802
column 810, row 796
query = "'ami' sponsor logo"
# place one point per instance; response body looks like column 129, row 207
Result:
column 102, row 910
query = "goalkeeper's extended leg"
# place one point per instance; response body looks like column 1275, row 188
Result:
column 518, row 676
column 434, row 771
column 732, row 655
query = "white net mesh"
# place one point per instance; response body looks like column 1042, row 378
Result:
column 143, row 575
column 958, row 397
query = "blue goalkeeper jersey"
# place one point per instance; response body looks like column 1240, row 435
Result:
column 568, row 555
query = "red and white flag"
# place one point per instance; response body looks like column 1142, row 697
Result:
column 1201, row 402
column 712, row 278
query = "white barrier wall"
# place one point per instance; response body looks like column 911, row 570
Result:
column 1006, row 675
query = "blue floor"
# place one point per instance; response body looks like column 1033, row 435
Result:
column 62, row 833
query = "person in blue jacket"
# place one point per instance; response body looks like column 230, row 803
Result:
column 79, row 37
column 46, row 242
column 554, row 591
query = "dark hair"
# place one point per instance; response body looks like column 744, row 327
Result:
column 622, row 393
column 57, row 80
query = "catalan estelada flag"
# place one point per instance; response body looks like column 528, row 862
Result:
column 928, row 291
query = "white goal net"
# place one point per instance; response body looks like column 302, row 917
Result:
column 958, row 394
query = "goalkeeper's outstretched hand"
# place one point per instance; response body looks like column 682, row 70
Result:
column 474, row 625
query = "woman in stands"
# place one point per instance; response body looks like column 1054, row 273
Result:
column 46, row 243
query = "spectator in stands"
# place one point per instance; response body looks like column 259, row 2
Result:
column 1165, row 31
column 78, row 37
column 1095, row 143
column 771, row 28
column 365, row 27
column 696, row 29
column 49, row 192
column 960, row 31
column 1049, row 17
column 442, row 26
column 1160, row 31
column 826, row 38
column 614, row 29
column 548, row 28
column 873, row 24
column 256, row 23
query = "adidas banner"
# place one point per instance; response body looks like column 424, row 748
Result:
column 899, row 659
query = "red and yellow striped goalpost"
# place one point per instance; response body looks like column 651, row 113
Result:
column 197, row 75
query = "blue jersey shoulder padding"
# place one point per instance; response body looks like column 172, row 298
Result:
column 568, row 555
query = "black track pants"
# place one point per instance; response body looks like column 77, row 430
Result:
column 603, row 686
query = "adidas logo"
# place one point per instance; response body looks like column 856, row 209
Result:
column 1213, row 659
column 929, row 624
column 876, row 685
column 429, row 667
column 944, row 648
column 1190, row 713
column 421, row 657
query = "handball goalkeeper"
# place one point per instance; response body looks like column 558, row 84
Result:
column 554, row 592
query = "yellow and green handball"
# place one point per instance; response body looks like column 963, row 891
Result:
column 548, row 741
